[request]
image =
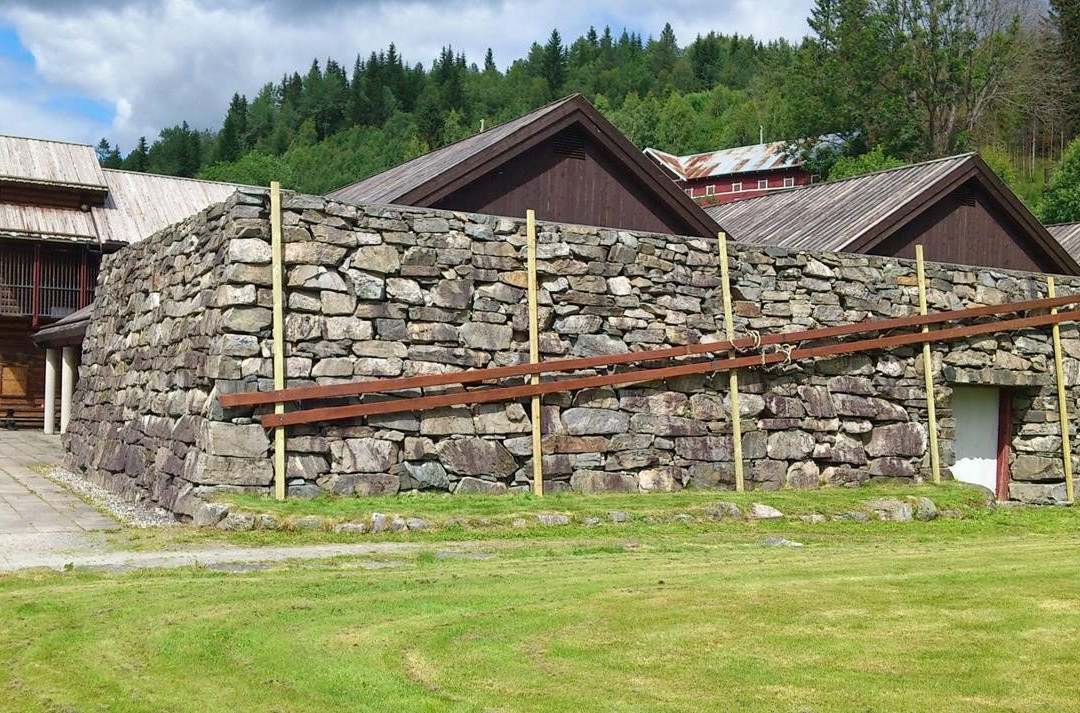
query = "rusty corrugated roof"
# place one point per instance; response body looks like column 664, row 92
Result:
column 742, row 159
column 1068, row 234
column 39, row 161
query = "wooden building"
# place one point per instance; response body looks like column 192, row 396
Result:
column 956, row 208
column 59, row 213
column 564, row 160
column 1068, row 234
column 733, row 174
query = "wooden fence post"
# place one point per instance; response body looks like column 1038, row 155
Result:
column 1063, row 405
column 279, row 334
column 733, row 375
column 534, row 355
column 928, row 373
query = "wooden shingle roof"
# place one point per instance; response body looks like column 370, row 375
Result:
column 856, row 214
column 1068, row 234
column 52, row 163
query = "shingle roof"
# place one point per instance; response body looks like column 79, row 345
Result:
column 38, row 161
column 1068, row 234
column 831, row 216
column 391, row 185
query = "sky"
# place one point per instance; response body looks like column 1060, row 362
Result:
column 77, row 71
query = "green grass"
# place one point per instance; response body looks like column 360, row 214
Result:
column 488, row 510
column 979, row 614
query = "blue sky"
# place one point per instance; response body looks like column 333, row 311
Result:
column 77, row 71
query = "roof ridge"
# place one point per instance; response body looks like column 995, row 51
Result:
column 180, row 178
column 1062, row 225
column 46, row 141
column 538, row 109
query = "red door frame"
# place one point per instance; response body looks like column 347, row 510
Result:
column 1004, row 443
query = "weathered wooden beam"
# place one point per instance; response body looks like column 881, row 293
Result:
column 928, row 371
column 534, row 355
column 1063, row 403
column 472, row 376
column 637, row 376
column 277, row 277
column 733, row 375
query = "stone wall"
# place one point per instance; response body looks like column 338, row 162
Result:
column 385, row 291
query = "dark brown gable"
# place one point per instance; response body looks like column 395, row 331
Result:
column 968, row 227
column 568, row 178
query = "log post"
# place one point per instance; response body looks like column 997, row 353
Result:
column 928, row 371
column 1063, row 404
column 534, row 355
column 279, row 334
column 733, row 375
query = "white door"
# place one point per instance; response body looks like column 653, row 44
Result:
column 976, row 411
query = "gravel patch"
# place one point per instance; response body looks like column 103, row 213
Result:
column 129, row 513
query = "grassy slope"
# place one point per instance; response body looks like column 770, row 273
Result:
column 978, row 614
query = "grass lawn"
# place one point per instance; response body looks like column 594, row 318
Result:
column 979, row 614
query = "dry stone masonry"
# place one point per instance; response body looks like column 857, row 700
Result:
column 379, row 291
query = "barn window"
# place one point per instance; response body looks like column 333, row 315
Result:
column 736, row 187
column 763, row 183
column 789, row 182
column 710, row 190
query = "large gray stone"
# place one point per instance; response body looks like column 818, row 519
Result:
column 898, row 439
column 227, row 439
column 205, row 469
column 383, row 259
column 483, row 335
column 890, row 509
column 428, row 475
column 594, row 421
column 453, row 294
column 476, row 456
column 1039, row 493
column 363, row 455
column 789, row 445
column 591, row 482
column 475, row 486
column 662, row 480
column 368, row 484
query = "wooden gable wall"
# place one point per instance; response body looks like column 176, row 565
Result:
column 966, row 227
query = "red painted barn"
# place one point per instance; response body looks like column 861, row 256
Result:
column 732, row 174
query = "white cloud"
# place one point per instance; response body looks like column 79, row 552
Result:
column 160, row 63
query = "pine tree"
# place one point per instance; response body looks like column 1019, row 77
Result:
column 103, row 149
column 489, row 62
column 553, row 64
column 139, row 159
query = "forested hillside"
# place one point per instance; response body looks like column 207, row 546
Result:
column 907, row 80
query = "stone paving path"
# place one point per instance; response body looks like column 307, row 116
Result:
column 31, row 504
column 44, row 525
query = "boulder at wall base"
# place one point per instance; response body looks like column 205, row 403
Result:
column 662, row 480
column 1038, row 493
column 761, row 511
column 476, row 456
column 475, row 486
column 890, row 509
column 591, row 482
column 376, row 484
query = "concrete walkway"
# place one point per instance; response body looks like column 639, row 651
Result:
column 31, row 504
column 44, row 525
